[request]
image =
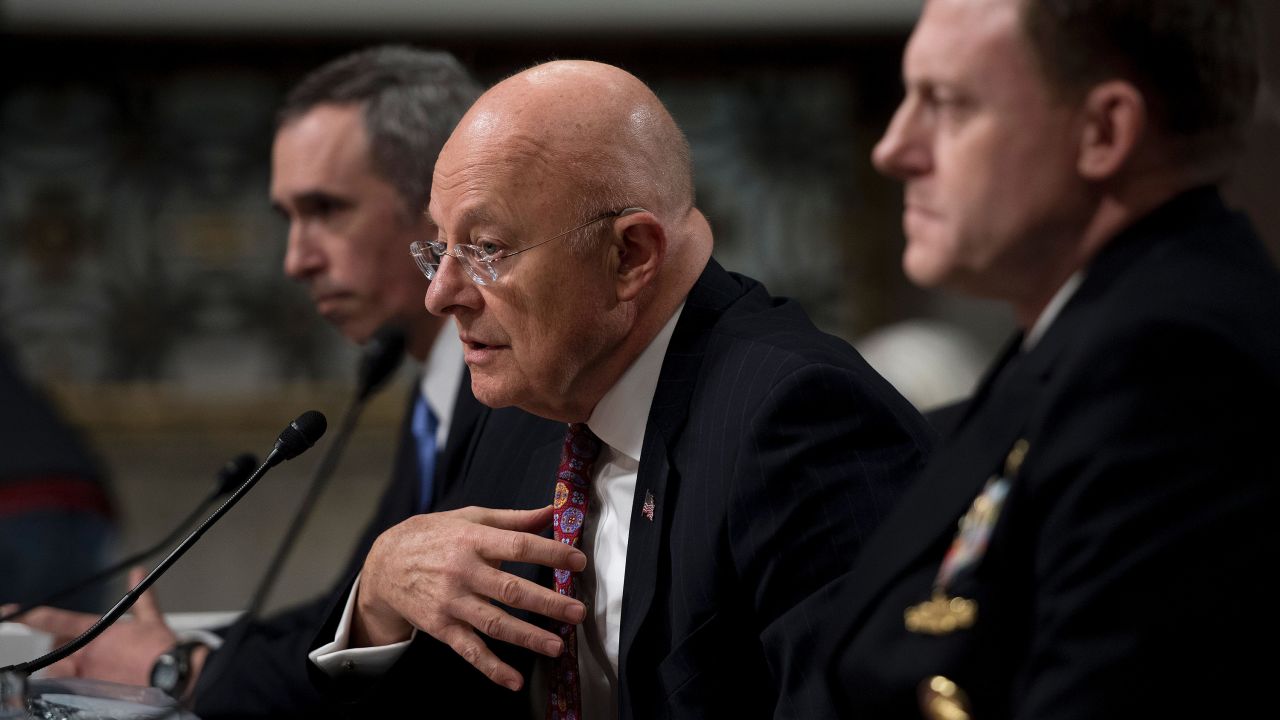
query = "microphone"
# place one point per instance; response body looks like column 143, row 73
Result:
column 301, row 434
column 298, row 437
column 232, row 474
column 380, row 358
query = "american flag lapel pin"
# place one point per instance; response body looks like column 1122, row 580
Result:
column 647, row 508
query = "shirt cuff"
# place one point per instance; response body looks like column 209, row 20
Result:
column 209, row 639
column 338, row 658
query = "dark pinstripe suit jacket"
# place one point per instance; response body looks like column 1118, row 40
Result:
column 1127, row 575
column 771, row 451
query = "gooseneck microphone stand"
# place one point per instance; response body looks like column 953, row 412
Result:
column 229, row 477
column 301, row 434
column 381, row 356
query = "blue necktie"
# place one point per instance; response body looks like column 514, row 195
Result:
column 424, row 432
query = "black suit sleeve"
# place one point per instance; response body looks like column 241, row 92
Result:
column 266, row 674
column 816, row 478
column 814, row 481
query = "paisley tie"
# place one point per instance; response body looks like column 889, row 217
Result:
column 576, row 461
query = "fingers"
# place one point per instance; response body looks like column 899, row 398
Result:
column 58, row 623
column 522, row 520
column 521, row 546
column 497, row 624
column 439, row 571
column 136, row 575
column 518, row 592
column 146, row 609
column 467, row 644
column 65, row 668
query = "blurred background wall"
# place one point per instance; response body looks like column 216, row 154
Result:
column 140, row 276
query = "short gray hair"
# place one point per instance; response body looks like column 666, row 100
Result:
column 412, row 101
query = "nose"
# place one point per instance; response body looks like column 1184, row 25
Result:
column 903, row 152
column 451, row 291
column 302, row 256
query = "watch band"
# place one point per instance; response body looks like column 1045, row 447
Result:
column 172, row 670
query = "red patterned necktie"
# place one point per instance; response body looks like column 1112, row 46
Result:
column 576, row 460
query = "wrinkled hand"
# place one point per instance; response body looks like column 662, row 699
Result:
column 438, row 572
column 123, row 653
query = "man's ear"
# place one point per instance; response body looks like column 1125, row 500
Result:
column 1115, row 121
column 641, row 248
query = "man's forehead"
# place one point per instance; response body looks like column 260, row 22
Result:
column 956, row 37
column 512, row 168
column 468, row 215
column 460, row 185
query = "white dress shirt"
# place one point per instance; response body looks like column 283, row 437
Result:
column 440, row 377
column 619, row 422
column 1051, row 311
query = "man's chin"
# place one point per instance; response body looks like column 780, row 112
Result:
column 489, row 391
column 356, row 333
column 923, row 268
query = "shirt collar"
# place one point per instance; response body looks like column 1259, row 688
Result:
column 1051, row 311
column 440, row 377
column 620, row 417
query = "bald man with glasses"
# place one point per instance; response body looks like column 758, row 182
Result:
column 723, row 459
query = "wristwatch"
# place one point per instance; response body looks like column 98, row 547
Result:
column 172, row 670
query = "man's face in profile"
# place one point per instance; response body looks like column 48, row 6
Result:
column 349, row 230
column 986, row 153
column 531, row 336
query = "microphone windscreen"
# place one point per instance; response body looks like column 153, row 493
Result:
column 380, row 358
column 301, row 434
column 236, row 471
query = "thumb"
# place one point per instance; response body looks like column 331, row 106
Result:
column 146, row 609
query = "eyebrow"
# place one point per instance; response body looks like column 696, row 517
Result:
column 308, row 200
column 318, row 196
column 469, row 218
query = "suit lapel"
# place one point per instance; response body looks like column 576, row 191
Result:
column 1002, row 410
column 405, row 481
column 926, row 515
column 539, row 486
column 713, row 292
column 453, row 461
column 399, row 499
